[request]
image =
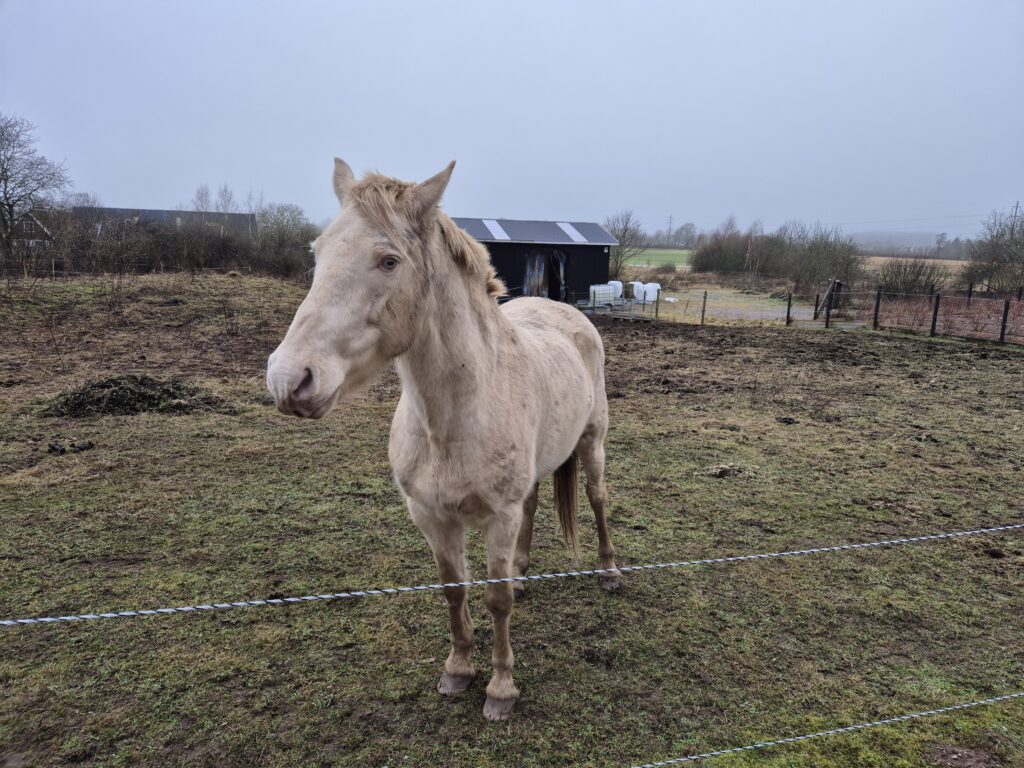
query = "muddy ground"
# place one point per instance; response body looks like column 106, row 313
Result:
column 825, row 437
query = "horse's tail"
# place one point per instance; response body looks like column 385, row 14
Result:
column 565, row 482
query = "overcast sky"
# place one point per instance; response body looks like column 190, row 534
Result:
column 900, row 114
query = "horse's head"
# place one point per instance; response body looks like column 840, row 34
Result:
column 359, row 313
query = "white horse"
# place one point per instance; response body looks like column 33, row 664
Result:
column 494, row 399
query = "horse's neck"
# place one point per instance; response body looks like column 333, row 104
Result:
column 449, row 370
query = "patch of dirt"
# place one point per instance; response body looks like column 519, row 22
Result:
column 726, row 470
column 949, row 756
column 131, row 394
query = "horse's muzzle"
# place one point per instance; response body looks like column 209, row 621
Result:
column 296, row 389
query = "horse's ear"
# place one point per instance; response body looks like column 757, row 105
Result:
column 343, row 179
column 427, row 195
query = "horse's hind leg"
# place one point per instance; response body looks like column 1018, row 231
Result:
column 522, row 558
column 590, row 450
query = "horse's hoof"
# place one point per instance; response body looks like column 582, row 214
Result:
column 611, row 583
column 498, row 709
column 453, row 685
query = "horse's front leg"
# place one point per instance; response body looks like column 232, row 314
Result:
column 448, row 542
column 500, row 533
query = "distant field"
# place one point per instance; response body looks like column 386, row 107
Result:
column 954, row 266
column 655, row 257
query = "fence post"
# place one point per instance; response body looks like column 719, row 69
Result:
column 817, row 301
column 935, row 313
column 1020, row 292
column 878, row 304
column 931, row 290
column 828, row 308
column 703, row 307
column 657, row 303
column 1002, row 326
column 789, row 307
column 970, row 292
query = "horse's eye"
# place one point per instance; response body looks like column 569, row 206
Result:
column 388, row 263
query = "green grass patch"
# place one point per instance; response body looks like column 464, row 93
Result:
column 656, row 257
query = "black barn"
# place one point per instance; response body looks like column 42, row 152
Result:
column 557, row 259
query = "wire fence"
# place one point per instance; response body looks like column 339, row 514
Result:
column 329, row 596
column 955, row 535
column 834, row 731
column 964, row 315
column 760, row 745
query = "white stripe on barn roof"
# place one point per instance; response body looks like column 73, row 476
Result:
column 572, row 232
column 495, row 229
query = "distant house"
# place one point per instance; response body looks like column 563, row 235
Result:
column 29, row 232
column 237, row 224
column 556, row 259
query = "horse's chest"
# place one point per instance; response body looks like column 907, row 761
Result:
column 460, row 477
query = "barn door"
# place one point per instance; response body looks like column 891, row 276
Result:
column 545, row 274
column 535, row 280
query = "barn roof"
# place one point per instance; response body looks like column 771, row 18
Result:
column 540, row 232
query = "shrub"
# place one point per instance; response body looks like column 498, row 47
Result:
column 909, row 276
column 807, row 256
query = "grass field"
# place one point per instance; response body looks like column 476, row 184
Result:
column 836, row 437
column 875, row 264
column 656, row 257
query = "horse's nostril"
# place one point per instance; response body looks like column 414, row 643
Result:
column 306, row 386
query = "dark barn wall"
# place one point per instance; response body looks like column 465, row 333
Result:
column 585, row 265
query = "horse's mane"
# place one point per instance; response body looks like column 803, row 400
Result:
column 381, row 200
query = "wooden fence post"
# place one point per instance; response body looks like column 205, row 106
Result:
column 828, row 308
column 703, row 307
column 970, row 292
column 1002, row 326
column 789, row 308
column 935, row 313
column 657, row 303
column 817, row 301
column 878, row 304
column 1020, row 293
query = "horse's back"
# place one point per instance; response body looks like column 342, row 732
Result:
column 546, row 323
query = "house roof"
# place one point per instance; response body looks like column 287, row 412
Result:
column 32, row 215
column 539, row 232
column 236, row 221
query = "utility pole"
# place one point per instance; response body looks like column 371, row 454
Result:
column 670, row 230
column 1013, row 221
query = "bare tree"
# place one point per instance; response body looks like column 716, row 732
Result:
column 80, row 200
column 755, row 256
column 27, row 179
column 254, row 205
column 284, row 235
column 997, row 255
column 201, row 199
column 625, row 227
column 225, row 200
